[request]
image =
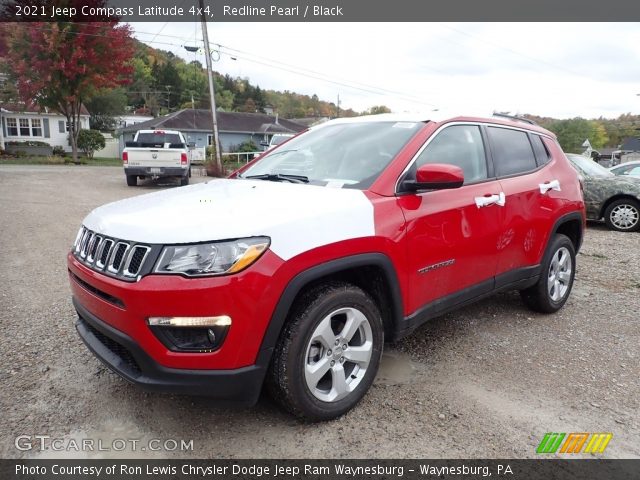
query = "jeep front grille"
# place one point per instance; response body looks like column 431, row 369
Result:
column 118, row 258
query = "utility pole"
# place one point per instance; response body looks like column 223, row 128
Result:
column 338, row 107
column 212, row 93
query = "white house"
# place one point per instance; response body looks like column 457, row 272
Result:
column 131, row 119
column 23, row 122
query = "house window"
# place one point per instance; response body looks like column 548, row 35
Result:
column 12, row 127
column 36, row 127
column 24, row 127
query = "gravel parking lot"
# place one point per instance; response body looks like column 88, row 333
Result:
column 487, row 381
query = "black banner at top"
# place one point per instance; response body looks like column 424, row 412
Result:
column 320, row 10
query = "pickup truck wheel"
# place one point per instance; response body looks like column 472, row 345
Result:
column 556, row 277
column 623, row 215
column 184, row 180
column 132, row 180
column 328, row 353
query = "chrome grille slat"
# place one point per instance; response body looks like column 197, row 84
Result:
column 103, row 253
column 93, row 247
column 83, row 237
column 85, row 244
column 117, row 258
column 137, row 256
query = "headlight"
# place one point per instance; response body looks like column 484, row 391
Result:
column 216, row 258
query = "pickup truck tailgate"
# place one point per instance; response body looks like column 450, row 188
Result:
column 152, row 157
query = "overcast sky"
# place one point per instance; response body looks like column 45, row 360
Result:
column 561, row 70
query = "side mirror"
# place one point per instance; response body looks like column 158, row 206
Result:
column 264, row 144
column 436, row 176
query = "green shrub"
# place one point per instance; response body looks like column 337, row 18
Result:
column 28, row 143
column 58, row 151
column 89, row 141
column 248, row 146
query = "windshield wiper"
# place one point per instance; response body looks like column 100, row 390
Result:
column 279, row 177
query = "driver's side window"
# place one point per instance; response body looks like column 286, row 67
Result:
column 459, row 145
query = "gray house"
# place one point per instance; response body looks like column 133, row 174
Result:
column 234, row 128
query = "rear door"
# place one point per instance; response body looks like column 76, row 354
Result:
column 453, row 234
column 531, row 189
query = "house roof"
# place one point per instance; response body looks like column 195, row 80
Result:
column 631, row 144
column 31, row 107
column 200, row 120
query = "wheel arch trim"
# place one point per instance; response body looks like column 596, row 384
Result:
column 306, row 277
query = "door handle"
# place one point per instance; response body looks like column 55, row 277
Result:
column 494, row 199
column 552, row 185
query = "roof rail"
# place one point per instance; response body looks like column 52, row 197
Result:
column 514, row 117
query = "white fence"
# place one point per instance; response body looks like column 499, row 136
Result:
column 198, row 156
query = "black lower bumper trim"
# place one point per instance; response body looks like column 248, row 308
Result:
column 124, row 356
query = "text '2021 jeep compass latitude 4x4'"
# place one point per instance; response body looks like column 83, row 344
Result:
column 293, row 272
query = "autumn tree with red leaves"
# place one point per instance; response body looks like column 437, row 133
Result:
column 60, row 65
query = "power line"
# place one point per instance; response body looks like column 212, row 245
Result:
column 510, row 50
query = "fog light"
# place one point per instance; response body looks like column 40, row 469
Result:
column 190, row 334
column 219, row 321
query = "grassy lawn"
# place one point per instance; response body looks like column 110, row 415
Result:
column 54, row 160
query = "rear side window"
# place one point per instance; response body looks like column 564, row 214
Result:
column 512, row 152
column 542, row 154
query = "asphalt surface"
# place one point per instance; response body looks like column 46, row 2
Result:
column 487, row 381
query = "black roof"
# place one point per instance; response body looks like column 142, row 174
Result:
column 631, row 144
column 200, row 121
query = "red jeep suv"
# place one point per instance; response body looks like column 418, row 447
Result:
column 294, row 272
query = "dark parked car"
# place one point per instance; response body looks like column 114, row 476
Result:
column 614, row 198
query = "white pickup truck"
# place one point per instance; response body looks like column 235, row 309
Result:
column 155, row 154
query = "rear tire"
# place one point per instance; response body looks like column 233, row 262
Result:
column 184, row 181
column 623, row 215
column 312, row 375
column 558, row 270
column 132, row 180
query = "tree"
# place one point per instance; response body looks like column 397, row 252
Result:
column 573, row 132
column 104, row 107
column 89, row 141
column 169, row 81
column 60, row 65
column 378, row 109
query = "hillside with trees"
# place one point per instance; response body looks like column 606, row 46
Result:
column 601, row 132
column 162, row 83
column 155, row 82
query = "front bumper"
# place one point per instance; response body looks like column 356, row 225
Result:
column 160, row 171
column 124, row 356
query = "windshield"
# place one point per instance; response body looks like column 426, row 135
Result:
column 589, row 167
column 350, row 155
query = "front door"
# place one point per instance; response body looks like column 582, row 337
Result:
column 453, row 234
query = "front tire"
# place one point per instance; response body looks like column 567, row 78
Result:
column 558, row 270
column 132, row 180
column 329, row 352
column 623, row 215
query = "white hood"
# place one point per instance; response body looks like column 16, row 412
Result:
column 297, row 217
